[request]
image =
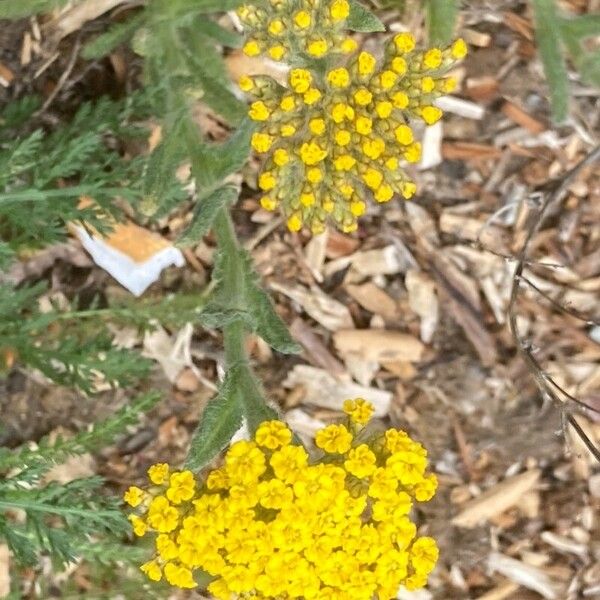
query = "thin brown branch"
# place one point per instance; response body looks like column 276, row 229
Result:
column 554, row 192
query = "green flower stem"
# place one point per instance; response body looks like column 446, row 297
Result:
column 248, row 390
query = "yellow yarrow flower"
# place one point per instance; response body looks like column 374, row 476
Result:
column 359, row 410
column 134, row 496
column 272, row 522
column 359, row 113
column 334, row 439
column 158, row 473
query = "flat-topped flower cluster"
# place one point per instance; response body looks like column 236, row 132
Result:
column 272, row 523
column 339, row 131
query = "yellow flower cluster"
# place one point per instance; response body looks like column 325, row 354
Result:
column 338, row 134
column 293, row 28
column 272, row 523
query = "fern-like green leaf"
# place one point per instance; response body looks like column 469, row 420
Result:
column 547, row 32
column 206, row 212
column 221, row 418
column 441, row 20
column 362, row 20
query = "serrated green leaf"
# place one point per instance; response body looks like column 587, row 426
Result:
column 116, row 35
column 218, row 95
column 581, row 26
column 219, row 34
column 221, row 418
column 205, row 213
column 547, row 32
column 252, row 306
column 589, row 66
column 11, row 9
column 252, row 399
column 268, row 324
column 214, row 162
column 363, row 20
column 441, row 20
column 160, row 172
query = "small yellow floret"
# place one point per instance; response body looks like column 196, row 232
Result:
column 267, row 181
column 268, row 203
column 413, row 153
column 287, row 130
column 139, row 525
column 400, row 100
column 348, row 46
column 261, row 142
column 302, row 19
column 273, row 434
column 459, row 49
column 317, row 48
column 357, row 208
column 335, row 439
column 344, row 162
column 339, row 78
column 133, row 496
column 404, row 135
column 246, row 83
column 373, row 148
column 384, row 109
column 281, row 157
column 399, row 65
column 433, row 58
column 404, row 42
column 259, row 111
column 276, row 27
column 431, row 114
column 158, row 473
column 314, row 175
column 294, row 223
column 388, row 79
column 342, row 137
column 384, row 193
column 372, row 178
column 428, row 84
column 277, row 52
column 311, row 96
column 317, row 126
column 409, row 189
column 366, row 63
column 251, row 48
column 300, row 80
column 359, row 410
column 311, row 153
column 152, row 570
column 346, row 190
column 364, row 125
column 363, row 96
column 339, row 10
column 288, row 103
column 361, row 461
column 307, row 199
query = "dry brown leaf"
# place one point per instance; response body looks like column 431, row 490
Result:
column 330, row 313
column 423, row 300
column 379, row 345
column 375, row 300
column 497, row 499
column 503, row 591
column 381, row 261
column 324, row 390
column 75, row 467
column 526, row 575
column 75, row 17
column 4, row 571
column 315, row 348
